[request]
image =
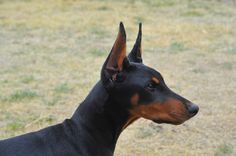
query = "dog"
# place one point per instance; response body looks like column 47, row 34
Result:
column 127, row 90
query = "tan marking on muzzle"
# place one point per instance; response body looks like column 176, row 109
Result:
column 170, row 111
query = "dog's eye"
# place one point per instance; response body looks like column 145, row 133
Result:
column 151, row 86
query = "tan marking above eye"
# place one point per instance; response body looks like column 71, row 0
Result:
column 155, row 80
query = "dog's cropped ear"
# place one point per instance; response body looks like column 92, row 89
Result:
column 116, row 60
column 136, row 53
column 118, row 52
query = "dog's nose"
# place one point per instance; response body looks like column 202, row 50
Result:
column 192, row 109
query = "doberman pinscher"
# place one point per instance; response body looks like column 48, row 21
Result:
column 127, row 90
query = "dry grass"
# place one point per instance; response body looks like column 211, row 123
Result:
column 51, row 53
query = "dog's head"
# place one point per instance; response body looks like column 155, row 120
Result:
column 140, row 89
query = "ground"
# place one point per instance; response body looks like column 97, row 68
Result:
column 51, row 54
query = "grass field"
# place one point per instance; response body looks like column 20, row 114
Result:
column 47, row 48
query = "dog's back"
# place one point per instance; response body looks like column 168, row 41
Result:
column 50, row 141
column 65, row 139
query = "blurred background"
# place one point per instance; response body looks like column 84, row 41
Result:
column 51, row 53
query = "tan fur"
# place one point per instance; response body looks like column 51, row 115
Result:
column 171, row 111
column 155, row 80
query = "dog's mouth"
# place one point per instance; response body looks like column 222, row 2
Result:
column 174, row 118
column 168, row 122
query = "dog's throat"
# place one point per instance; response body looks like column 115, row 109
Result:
column 130, row 120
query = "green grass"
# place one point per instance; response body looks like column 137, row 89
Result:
column 51, row 53
column 97, row 52
column 15, row 126
column 224, row 150
column 27, row 79
column 21, row 95
column 53, row 101
column 176, row 47
column 227, row 66
column 98, row 31
column 232, row 50
column 193, row 13
column 160, row 3
column 63, row 88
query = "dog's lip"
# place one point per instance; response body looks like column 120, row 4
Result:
column 191, row 115
column 168, row 122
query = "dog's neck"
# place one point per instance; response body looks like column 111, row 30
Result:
column 102, row 117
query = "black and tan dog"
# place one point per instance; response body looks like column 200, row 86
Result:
column 127, row 90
